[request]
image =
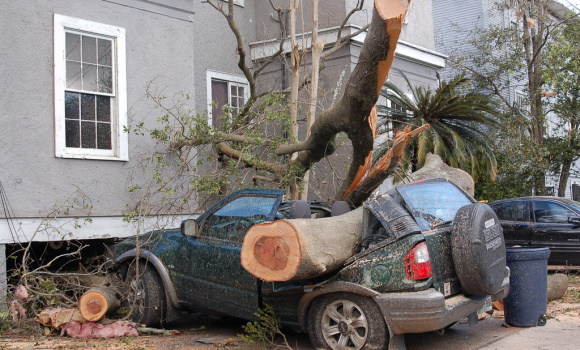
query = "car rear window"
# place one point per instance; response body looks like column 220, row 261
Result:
column 433, row 203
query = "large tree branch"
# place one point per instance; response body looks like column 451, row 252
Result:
column 253, row 162
column 218, row 137
column 350, row 114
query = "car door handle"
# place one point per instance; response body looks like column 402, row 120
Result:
column 541, row 231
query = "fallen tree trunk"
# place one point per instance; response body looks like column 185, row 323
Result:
column 293, row 249
column 98, row 301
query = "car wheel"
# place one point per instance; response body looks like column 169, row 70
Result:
column 145, row 295
column 346, row 321
column 478, row 249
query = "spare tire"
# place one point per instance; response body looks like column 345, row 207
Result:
column 478, row 248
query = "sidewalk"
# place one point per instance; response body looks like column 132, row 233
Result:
column 560, row 334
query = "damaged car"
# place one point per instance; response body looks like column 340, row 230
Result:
column 430, row 255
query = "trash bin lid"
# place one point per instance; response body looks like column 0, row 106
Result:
column 527, row 253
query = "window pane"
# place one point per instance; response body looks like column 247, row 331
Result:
column 71, row 105
column 87, row 107
column 103, row 136
column 241, row 93
column 551, row 212
column 219, row 96
column 73, row 75
column 89, row 77
column 88, row 134
column 73, row 47
column 103, row 108
column 89, row 49
column 104, row 52
column 233, row 220
column 234, row 90
column 72, row 133
column 105, row 79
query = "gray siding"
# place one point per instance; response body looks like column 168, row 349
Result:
column 454, row 23
column 33, row 178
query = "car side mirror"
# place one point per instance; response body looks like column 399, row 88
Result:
column 574, row 220
column 189, row 228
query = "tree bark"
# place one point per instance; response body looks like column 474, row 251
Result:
column 97, row 302
column 350, row 114
column 295, row 249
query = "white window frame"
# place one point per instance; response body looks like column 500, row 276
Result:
column 119, row 137
column 231, row 80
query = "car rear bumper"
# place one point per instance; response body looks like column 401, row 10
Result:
column 429, row 310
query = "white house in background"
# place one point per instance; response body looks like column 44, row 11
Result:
column 452, row 18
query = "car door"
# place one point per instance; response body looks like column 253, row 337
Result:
column 514, row 216
column 213, row 277
column 553, row 230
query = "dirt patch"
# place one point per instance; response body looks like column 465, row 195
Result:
column 569, row 305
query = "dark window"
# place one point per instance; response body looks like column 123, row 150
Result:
column 513, row 210
column 88, row 121
column 545, row 211
column 226, row 93
column 233, row 220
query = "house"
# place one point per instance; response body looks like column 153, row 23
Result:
column 454, row 25
column 75, row 76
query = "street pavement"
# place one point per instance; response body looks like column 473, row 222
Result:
column 561, row 333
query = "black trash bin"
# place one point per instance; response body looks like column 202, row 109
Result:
column 527, row 301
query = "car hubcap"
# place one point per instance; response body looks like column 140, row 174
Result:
column 138, row 295
column 344, row 325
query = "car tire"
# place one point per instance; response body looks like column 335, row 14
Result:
column 478, row 249
column 145, row 295
column 346, row 321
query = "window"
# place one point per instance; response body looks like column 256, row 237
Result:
column 551, row 212
column 90, row 90
column 513, row 210
column 232, row 221
column 520, row 100
column 224, row 89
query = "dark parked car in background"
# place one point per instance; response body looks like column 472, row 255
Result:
column 551, row 222
column 420, row 266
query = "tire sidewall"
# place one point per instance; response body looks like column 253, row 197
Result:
column 377, row 332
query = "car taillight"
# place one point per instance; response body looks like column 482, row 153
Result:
column 418, row 263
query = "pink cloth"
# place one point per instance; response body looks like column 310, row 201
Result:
column 97, row 330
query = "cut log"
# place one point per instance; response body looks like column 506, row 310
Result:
column 98, row 301
column 294, row 249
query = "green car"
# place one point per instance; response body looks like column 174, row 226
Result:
column 430, row 256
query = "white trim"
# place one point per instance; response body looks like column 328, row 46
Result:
column 82, row 228
column 227, row 78
column 120, row 139
column 405, row 50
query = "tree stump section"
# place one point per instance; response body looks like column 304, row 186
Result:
column 98, row 301
column 295, row 249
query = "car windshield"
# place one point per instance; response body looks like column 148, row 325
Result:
column 433, row 203
column 575, row 205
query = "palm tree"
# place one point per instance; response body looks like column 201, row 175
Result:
column 460, row 122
